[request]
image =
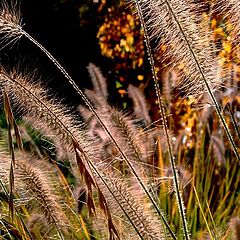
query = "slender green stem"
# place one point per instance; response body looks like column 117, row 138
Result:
column 203, row 214
column 213, row 223
column 18, row 214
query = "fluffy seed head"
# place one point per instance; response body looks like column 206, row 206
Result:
column 10, row 22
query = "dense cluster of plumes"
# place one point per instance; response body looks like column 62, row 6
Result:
column 111, row 153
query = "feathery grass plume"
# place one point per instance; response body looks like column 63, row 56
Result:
column 229, row 8
column 168, row 80
column 146, row 223
column 218, row 148
column 40, row 183
column 10, row 22
column 234, row 226
column 49, row 204
column 94, row 128
column 55, row 117
column 37, row 225
column 178, row 193
column 130, row 141
column 94, row 98
column 107, row 125
column 124, row 131
column 28, row 199
column 139, row 102
column 98, row 80
column 48, row 114
column 128, row 138
column 10, row 225
column 32, row 183
column 98, row 97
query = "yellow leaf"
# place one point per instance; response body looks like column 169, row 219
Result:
column 214, row 23
column 140, row 62
column 227, row 46
column 130, row 39
column 219, row 31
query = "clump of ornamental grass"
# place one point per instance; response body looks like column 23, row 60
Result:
column 111, row 154
column 53, row 117
column 62, row 127
column 36, row 189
